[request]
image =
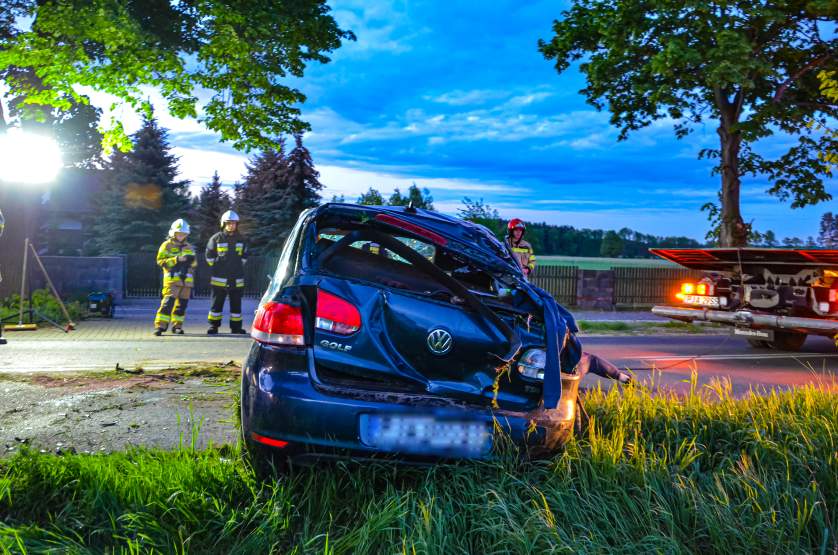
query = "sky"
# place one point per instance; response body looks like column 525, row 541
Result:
column 456, row 97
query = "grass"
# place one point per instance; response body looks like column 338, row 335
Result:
column 597, row 326
column 705, row 473
column 595, row 263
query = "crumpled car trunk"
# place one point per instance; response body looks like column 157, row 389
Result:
column 410, row 275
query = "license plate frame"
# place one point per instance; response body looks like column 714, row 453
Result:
column 750, row 333
column 702, row 300
column 426, row 435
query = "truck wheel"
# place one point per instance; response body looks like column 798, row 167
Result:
column 759, row 344
column 788, row 340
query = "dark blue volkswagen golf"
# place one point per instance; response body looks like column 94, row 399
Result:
column 400, row 332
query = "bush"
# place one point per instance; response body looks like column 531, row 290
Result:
column 43, row 302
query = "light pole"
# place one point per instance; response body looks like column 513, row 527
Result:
column 26, row 159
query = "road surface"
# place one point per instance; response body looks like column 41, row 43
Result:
column 127, row 340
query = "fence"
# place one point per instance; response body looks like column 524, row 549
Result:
column 648, row 286
column 559, row 281
column 145, row 279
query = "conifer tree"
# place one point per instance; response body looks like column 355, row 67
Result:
column 211, row 203
column 142, row 195
column 828, row 236
column 259, row 199
column 280, row 205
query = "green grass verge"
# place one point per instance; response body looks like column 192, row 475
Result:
column 596, row 263
column 596, row 326
column 705, row 473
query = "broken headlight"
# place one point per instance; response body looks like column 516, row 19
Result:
column 532, row 364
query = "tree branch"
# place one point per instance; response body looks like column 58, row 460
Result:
column 803, row 71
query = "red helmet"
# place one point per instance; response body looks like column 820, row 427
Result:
column 516, row 222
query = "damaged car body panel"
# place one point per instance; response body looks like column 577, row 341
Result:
column 405, row 332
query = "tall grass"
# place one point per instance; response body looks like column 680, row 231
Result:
column 705, row 473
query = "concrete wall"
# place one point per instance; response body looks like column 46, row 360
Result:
column 81, row 274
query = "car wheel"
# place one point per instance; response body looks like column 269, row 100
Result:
column 759, row 344
column 788, row 341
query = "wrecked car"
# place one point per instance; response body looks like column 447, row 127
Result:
column 408, row 333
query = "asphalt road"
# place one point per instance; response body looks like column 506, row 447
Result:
column 663, row 359
column 671, row 360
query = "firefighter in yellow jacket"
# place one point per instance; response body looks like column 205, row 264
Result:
column 521, row 249
column 177, row 259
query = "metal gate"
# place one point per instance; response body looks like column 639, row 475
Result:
column 649, row 286
column 559, row 281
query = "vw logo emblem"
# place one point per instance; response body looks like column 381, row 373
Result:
column 440, row 341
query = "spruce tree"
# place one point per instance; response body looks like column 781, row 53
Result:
column 281, row 206
column 259, row 199
column 211, row 203
column 142, row 196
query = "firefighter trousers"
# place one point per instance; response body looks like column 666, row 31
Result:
column 172, row 307
column 216, row 314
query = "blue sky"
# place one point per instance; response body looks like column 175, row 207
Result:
column 456, row 97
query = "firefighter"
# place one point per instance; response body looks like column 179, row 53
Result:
column 226, row 254
column 520, row 248
column 177, row 259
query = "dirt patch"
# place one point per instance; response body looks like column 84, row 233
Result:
column 101, row 412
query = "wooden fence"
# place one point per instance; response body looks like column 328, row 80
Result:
column 640, row 287
column 559, row 281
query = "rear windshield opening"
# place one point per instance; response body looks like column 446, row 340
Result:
column 369, row 261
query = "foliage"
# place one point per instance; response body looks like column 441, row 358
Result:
column 420, row 198
column 612, row 244
column 211, row 203
column 142, row 197
column 371, row 198
column 477, row 211
column 274, row 192
column 43, row 302
column 749, row 66
column 702, row 473
column 828, row 236
column 236, row 52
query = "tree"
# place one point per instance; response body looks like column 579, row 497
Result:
column 238, row 52
column 338, row 198
column 371, row 198
column 769, row 239
column 420, row 198
column 477, row 211
column 794, row 242
column 302, row 178
column 259, row 198
column 210, row 205
column 142, row 196
column 828, row 235
column 749, row 66
column 612, row 245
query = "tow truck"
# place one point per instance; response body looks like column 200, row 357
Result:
column 774, row 298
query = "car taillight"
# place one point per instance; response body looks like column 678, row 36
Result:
column 278, row 324
column 336, row 315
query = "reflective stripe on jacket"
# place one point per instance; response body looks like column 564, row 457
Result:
column 175, row 272
column 226, row 253
column 523, row 253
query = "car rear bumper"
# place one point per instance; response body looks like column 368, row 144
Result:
column 286, row 405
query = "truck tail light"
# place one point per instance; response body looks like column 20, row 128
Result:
column 688, row 288
column 336, row 315
column 278, row 324
column 701, row 289
column 833, row 295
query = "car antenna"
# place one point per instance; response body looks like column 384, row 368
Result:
column 410, row 208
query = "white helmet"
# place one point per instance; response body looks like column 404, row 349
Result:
column 179, row 225
column 229, row 216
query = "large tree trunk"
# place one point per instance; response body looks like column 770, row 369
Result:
column 732, row 230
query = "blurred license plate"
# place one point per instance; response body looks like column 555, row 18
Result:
column 701, row 300
column 426, row 435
